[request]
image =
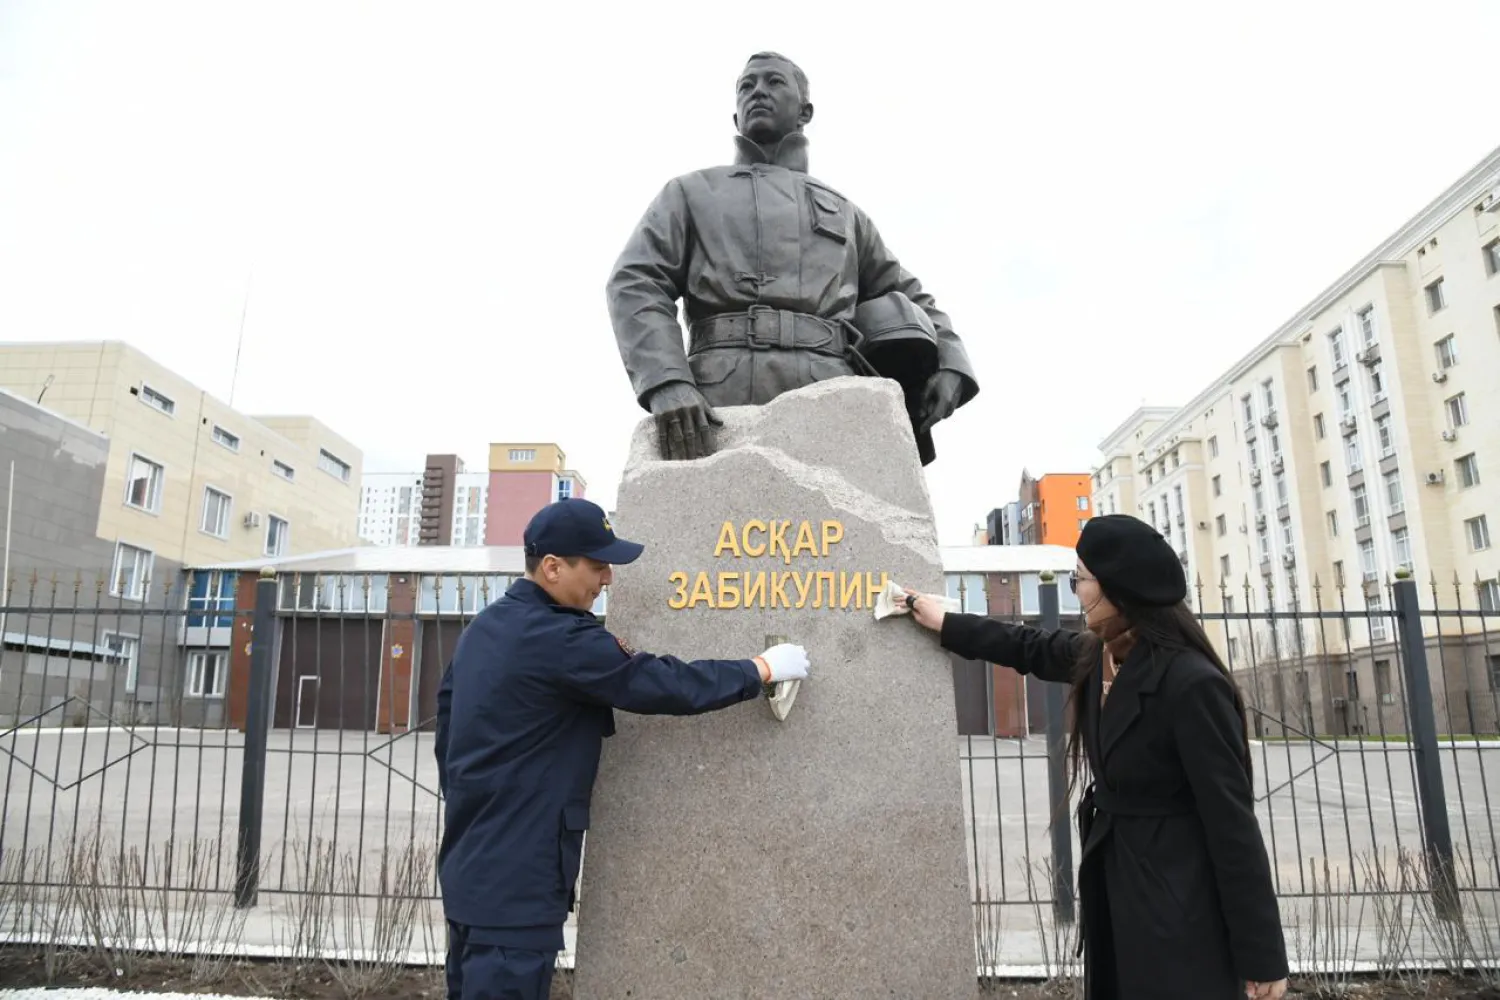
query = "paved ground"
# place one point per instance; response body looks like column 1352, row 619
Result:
column 357, row 798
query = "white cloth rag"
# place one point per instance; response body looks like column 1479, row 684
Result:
column 892, row 601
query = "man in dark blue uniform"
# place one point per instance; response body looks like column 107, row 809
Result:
column 524, row 705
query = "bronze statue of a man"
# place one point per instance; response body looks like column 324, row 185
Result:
column 785, row 282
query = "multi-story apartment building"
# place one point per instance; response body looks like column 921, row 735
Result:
column 190, row 480
column 524, row 478
column 443, row 505
column 1053, row 509
column 1114, row 482
column 1349, row 445
column 124, row 473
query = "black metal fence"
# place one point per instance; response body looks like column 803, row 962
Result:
column 273, row 736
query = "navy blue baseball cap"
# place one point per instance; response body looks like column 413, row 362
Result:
column 578, row 528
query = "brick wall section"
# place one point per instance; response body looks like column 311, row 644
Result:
column 398, row 652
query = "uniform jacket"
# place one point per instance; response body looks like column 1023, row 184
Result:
column 1175, row 888
column 758, row 233
column 523, row 709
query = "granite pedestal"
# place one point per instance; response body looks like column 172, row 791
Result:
column 734, row 856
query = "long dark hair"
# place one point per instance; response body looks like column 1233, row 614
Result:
column 1164, row 631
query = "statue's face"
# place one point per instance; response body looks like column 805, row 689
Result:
column 768, row 103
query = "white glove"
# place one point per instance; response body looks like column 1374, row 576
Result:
column 786, row 662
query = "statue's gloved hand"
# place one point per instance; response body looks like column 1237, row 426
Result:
column 939, row 399
column 684, row 421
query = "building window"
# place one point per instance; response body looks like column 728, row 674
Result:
column 278, row 535
column 1218, row 486
column 1338, row 574
column 283, row 470
column 1346, row 401
column 157, row 400
column 1223, row 525
column 124, row 651
column 1361, row 506
column 1377, row 382
column 1083, row 503
column 333, row 465
column 1356, row 462
column 1213, row 442
column 143, row 484
column 1489, row 595
column 565, row 489
column 205, row 674
column 1269, row 392
column 1468, row 471
column 1366, row 319
column 1367, row 559
column 1224, row 575
column 1447, row 352
column 1393, row 494
column 1458, row 411
column 1333, row 524
column 225, row 438
column 1385, row 435
column 1249, row 405
column 216, row 506
column 1312, row 379
column 1436, row 300
column 1401, row 543
column 1327, row 472
column 1336, row 347
column 1376, row 607
column 1478, row 529
column 1282, row 498
column 211, row 599
column 1318, row 427
column 131, row 575
column 1383, row 682
column 523, row 454
column 1492, row 257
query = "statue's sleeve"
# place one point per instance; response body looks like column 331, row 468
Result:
column 643, row 290
column 880, row 272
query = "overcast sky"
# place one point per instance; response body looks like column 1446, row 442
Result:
column 1113, row 201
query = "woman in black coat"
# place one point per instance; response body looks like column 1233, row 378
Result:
column 1174, row 883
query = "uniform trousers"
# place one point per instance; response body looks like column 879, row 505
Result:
column 483, row 966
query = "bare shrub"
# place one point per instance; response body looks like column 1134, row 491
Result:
column 1391, row 887
column 1328, row 941
column 1059, row 943
column 1465, row 937
column 987, row 923
column 377, row 944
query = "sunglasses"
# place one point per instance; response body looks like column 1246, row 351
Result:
column 1073, row 581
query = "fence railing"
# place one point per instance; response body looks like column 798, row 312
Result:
column 231, row 738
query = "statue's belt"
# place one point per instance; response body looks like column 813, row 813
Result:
column 764, row 328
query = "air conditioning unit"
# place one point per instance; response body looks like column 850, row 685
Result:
column 1348, row 424
column 252, row 520
column 1277, row 464
column 1367, row 356
column 1254, row 477
column 1269, row 419
column 1339, row 702
column 1440, row 377
column 1450, row 435
column 1491, row 201
column 1288, row 559
column 1260, row 522
column 1435, row 478
column 1388, row 698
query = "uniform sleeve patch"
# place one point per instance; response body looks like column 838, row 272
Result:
column 624, row 646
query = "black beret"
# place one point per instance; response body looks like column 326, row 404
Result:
column 1132, row 561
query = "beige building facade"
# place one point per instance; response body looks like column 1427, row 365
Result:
column 189, row 480
column 1357, row 442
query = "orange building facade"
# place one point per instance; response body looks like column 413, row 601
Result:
column 1055, row 507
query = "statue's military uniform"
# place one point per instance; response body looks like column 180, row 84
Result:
column 771, row 265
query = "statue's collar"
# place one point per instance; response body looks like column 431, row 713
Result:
column 790, row 152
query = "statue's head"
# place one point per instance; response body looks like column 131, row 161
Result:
column 771, row 99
